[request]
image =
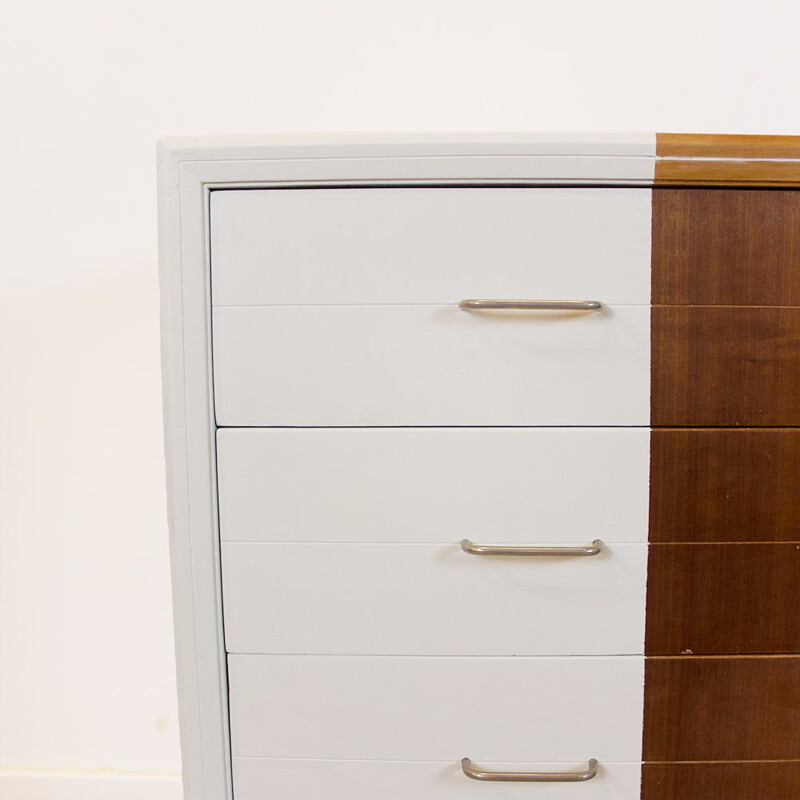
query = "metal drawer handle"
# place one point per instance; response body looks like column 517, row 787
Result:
column 555, row 777
column 593, row 549
column 523, row 305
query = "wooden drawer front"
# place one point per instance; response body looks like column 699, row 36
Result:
column 743, row 708
column 723, row 598
column 749, row 780
column 725, row 366
column 433, row 485
column 725, row 485
column 412, row 599
column 525, row 710
column 429, row 245
column 303, row 779
column 430, row 365
column 724, row 247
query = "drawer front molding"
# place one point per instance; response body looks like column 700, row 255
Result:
column 429, row 246
column 306, row 779
column 519, row 710
column 411, row 599
column 423, row 485
column 429, row 365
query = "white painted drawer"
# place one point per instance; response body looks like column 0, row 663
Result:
column 433, row 484
column 303, row 779
column 526, row 710
column 430, row 365
column 429, row 245
column 414, row 599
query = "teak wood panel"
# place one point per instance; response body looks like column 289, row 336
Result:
column 722, row 246
column 730, row 780
column 723, row 598
column 744, row 708
column 725, row 366
column 724, row 485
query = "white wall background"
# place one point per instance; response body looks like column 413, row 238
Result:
column 86, row 666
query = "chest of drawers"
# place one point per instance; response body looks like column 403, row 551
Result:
column 484, row 466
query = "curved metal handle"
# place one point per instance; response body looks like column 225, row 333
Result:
column 531, row 305
column 555, row 777
column 595, row 548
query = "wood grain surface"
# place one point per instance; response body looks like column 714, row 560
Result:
column 724, row 485
column 756, row 174
column 725, row 366
column 726, row 780
column 723, row 246
column 723, row 599
column 724, row 145
column 721, row 708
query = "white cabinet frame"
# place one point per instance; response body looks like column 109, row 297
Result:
column 189, row 169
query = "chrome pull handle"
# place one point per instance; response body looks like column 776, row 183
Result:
column 530, row 305
column 593, row 549
column 554, row 777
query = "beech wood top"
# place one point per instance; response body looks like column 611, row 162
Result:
column 715, row 145
column 727, row 160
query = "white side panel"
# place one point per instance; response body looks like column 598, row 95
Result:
column 191, row 484
column 410, row 599
column 430, row 365
column 437, row 709
column 301, row 779
column 429, row 484
column 433, row 245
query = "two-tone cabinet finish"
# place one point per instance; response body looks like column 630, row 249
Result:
column 484, row 466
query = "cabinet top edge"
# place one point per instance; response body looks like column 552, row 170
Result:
column 694, row 159
column 667, row 159
column 410, row 144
